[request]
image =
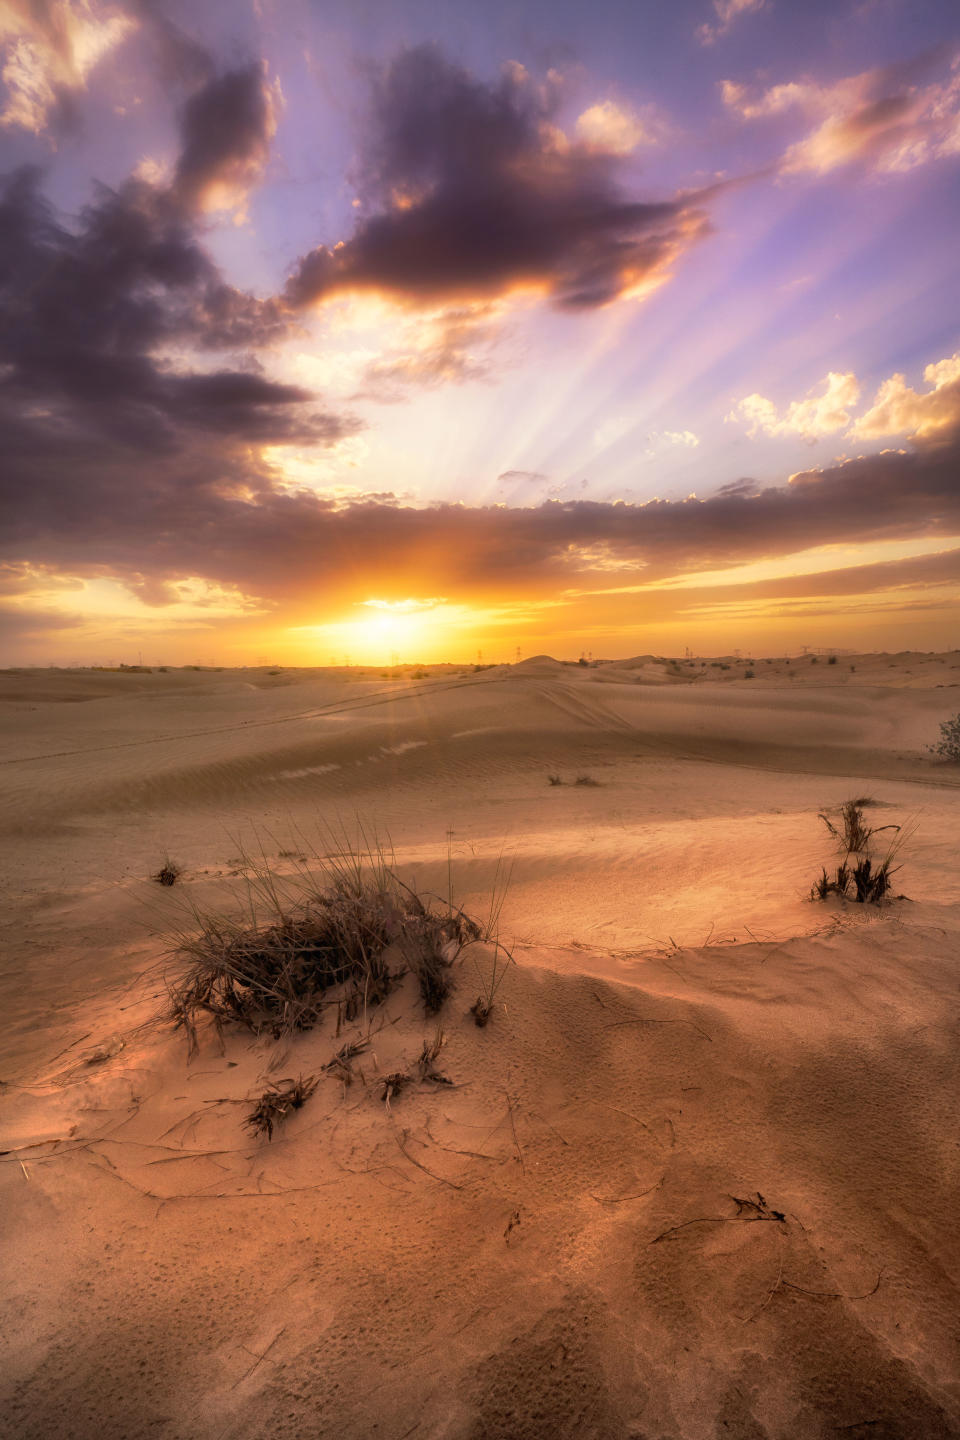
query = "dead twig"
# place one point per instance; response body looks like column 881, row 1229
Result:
column 400, row 1137
column 516, row 1138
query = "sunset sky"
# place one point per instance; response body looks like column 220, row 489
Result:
column 421, row 327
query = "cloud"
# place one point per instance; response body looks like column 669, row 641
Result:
column 470, row 192
column 613, row 129
column 50, row 48
column 226, row 128
column 727, row 12
column 893, row 118
column 811, row 417
column 91, row 319
column 452, row 347
column 112, row 330
column 896, row 410
column 215, row 513
column 899, row 410
column 522, row 477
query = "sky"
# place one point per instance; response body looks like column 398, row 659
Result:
column 423, row 330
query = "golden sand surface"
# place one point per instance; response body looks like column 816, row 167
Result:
column 697, row 1177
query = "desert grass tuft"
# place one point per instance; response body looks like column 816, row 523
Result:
column 586, row 780
column 482, row 1007
column 354, row 929
column 859, row 876
column 169, row 872
column 276, row 1102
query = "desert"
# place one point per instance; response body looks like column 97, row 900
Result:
column 697, row 1174
column 479, row 720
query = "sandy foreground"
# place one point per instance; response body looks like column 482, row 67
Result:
column 698, row 1177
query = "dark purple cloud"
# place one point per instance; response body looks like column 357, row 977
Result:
column 472, row 193
column 94, row 316
column 225, row 130
column 184, row 518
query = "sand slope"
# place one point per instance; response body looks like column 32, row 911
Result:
column 696, row 1178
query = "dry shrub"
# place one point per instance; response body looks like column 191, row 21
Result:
column 276, row 1102
column 355, row 929
column 169, row 872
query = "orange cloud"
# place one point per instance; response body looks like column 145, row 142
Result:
column 899, row 410
column 614, row 129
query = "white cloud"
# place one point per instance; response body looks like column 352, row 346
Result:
column 811, row 417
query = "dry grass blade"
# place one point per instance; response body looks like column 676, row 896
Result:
column 426, row 1064
column 276, row 1102
column 341, row 1064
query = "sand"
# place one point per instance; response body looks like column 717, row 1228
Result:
column 698, row 1177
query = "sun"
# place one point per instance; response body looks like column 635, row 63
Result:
column 384, row 631
column 388, row 631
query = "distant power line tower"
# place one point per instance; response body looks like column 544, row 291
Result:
column 518, row 653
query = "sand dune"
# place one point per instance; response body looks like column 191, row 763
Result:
column 696, row 1178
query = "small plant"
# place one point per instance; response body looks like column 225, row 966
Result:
column 832, row 660
column 859, row 876
column 586, row 780
column 276, row 1102
column 169, row 872
column 948, row 746
column 554, row 780
column 427, row 1062
column 482, row 1007
column 748, row 674
column 392, row 1084
column 855, row 835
